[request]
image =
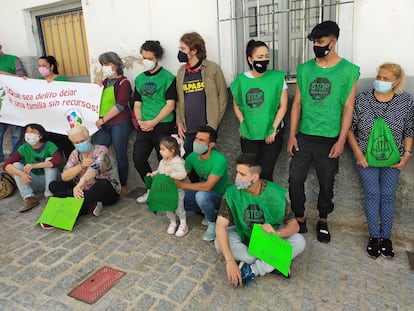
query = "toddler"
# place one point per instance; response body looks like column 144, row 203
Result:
column 172, row 165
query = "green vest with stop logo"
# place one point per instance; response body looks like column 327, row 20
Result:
column 324, row 92
column 247, row 210
column 258, row 99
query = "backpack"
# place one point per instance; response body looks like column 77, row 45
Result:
column 382, row 150
column 7, row 185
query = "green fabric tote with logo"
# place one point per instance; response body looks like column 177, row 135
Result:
column 382, row 150
column 163, row 195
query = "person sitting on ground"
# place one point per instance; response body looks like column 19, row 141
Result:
column 90, row 173
column 172, row 165
column 34, row 165
column 212, row 169
column 233, row 229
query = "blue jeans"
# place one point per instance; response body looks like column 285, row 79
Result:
column 39, row 182
column 16, row 137
column 206, row 202
column 118, row 135
column 380, row 186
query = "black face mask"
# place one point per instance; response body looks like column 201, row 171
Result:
column 321, row 51
column 260, row 65
column 182, row 57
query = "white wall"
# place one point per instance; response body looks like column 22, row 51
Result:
column 383, row 31
column 130, row 23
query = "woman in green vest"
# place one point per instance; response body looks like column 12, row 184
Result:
column 114, row 121
column 260, row 102
column 34, row 165
column 49, row 71
column 154, row 103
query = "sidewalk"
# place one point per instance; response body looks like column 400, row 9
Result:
column 39, row 267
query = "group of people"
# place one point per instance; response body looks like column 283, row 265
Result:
column 325, row 114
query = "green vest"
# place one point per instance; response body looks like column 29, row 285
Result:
column 30, row 156
column 258, row 99
column 324, row 92
column 58, row 78
column 8, row 63
column 152, row 90
column 107, row 100
column 266, row 208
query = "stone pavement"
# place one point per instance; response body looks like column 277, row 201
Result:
column 38, row 268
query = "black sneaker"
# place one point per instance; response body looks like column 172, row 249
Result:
column 246, row 273
column 373, row 248
column 386, row 248
column 322, row 232
column 302, row 226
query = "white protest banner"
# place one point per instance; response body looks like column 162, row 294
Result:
column 58, row 106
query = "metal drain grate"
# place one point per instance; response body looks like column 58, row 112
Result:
column 97, row 285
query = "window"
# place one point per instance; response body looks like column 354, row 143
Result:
column 283, row 25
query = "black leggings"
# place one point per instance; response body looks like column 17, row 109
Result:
column 101, row 191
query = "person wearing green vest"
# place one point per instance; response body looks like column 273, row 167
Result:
column 154, row 103
column 47, row 66
column 34, row 165
column 211, row 168
column 114, row 123
column 10, row 65
column 260, row 102
column 320, row 118
column 252, row 200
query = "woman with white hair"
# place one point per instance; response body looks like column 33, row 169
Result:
column 90, row 173
column 114, row 121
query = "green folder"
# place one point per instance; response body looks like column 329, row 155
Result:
column 163, row 195
column 61, row 212
column 271, row 248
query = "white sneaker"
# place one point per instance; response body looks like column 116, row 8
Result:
column 182, row 230
column 171, row 228
column 143, row 198
column 98, row 209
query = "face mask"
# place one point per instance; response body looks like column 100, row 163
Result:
column 321, row 51
column 44, row 72
column 31, row 138
column 182, row 57
column 382, row 86
column 243, row 184
column 107, row 71
column 199, row 148
column 260, row 65
column 83, row 147
column 148, row 64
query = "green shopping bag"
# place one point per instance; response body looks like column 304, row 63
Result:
column 382, row 150
column 163, row 195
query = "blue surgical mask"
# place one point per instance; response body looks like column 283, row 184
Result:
column 199, row 148
column 243, row 184
column 382, row 86
column 83, row 146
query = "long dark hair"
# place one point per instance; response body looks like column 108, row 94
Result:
column 51, row 60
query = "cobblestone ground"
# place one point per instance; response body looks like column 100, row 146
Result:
column 38, row 268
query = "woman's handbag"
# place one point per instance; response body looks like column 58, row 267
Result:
column 7, row 185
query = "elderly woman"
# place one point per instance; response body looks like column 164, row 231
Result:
column 387, row 101
column 114, row 121
column 89, row 173
column 34, row 165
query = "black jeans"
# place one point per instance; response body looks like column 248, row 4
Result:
column 267, row 154
column 316, row 151
column 101, row 191
column 146, row 141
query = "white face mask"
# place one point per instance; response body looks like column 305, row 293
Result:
column 148, row 64
column 31, row 139
column 107, row 71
